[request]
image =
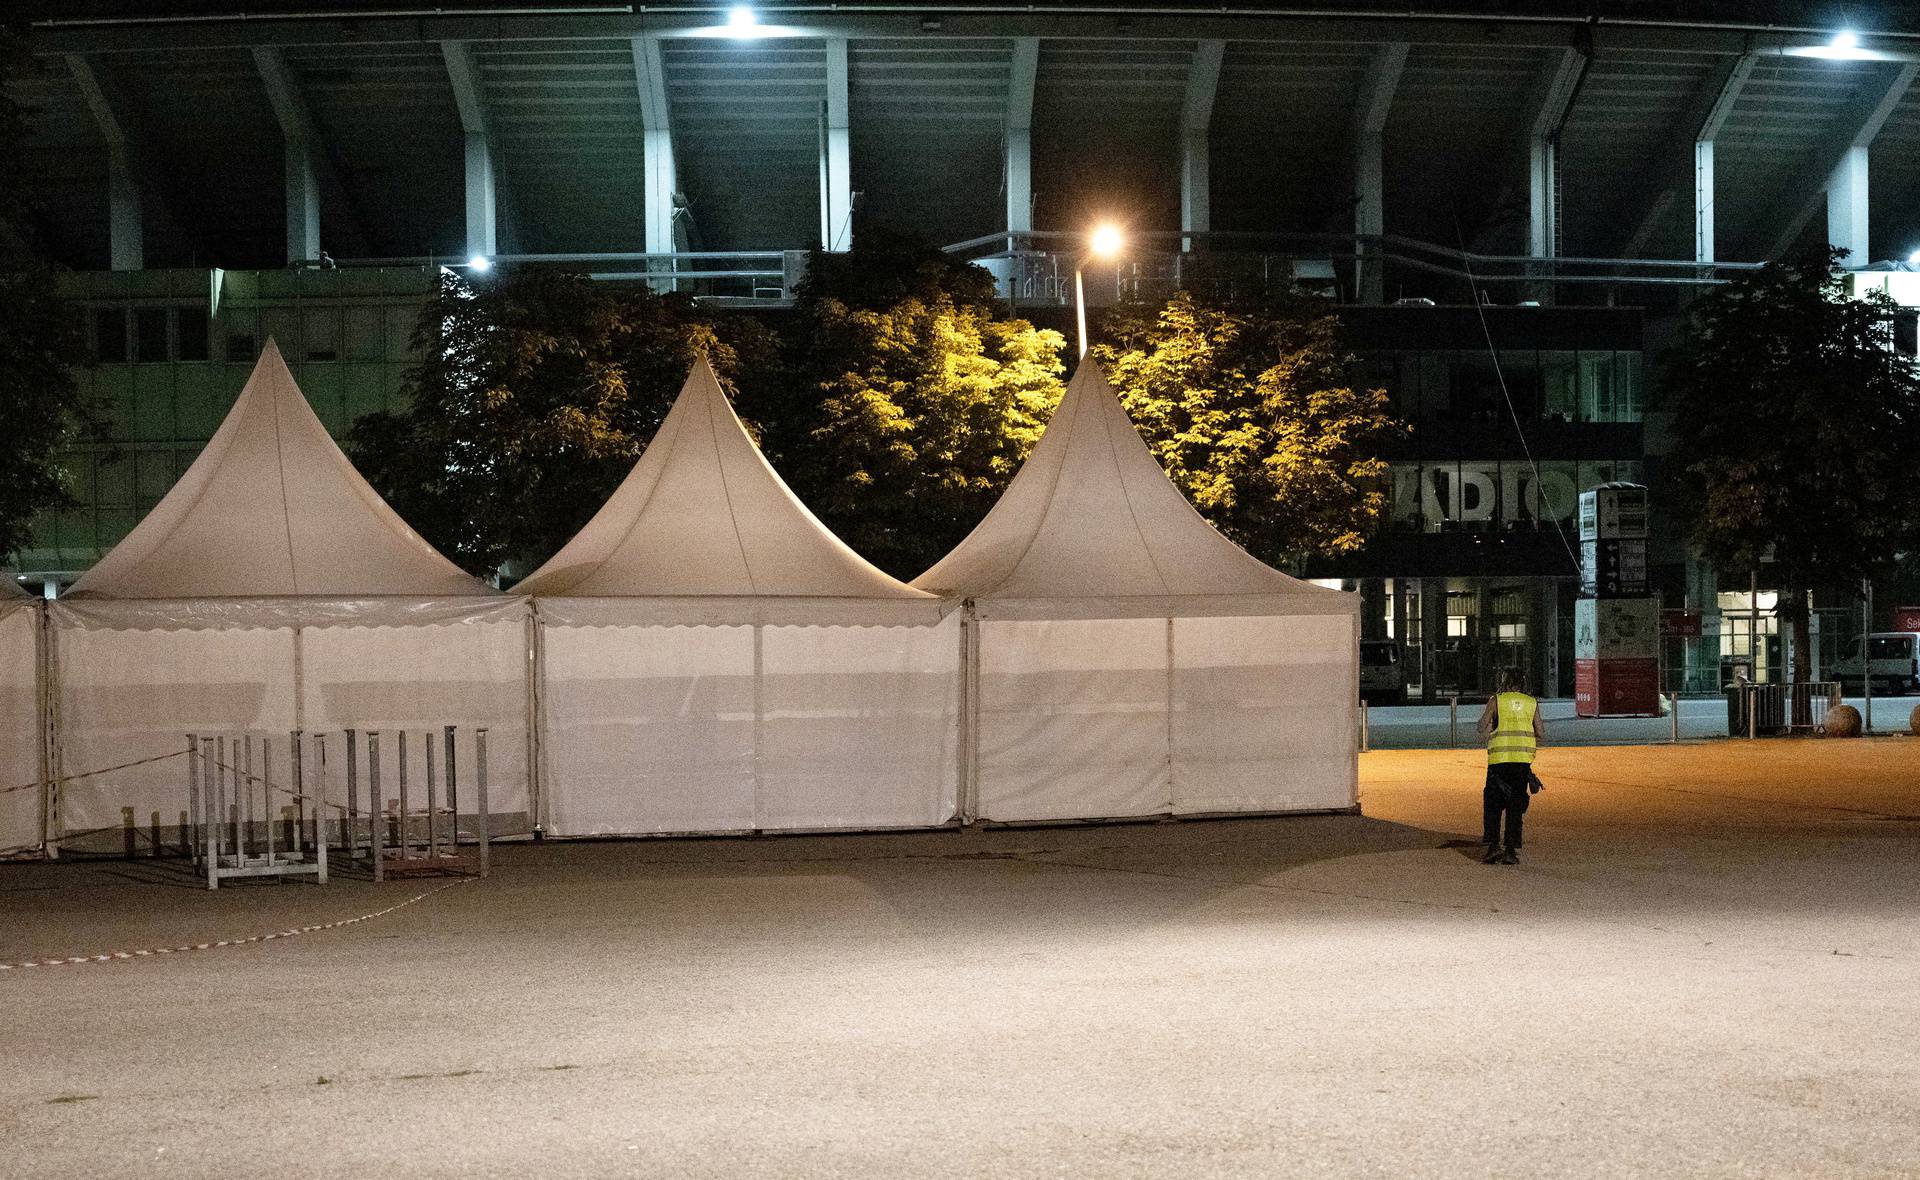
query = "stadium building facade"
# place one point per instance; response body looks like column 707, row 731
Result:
column 1511, row 213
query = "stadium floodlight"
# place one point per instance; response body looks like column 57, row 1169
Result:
column 1105, row 242
column 479, row 264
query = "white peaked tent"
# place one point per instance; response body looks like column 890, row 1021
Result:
column 1129, row 660
column 271, row 590
column 22, row 750
column 713, row 659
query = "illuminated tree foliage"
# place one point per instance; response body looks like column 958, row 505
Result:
column 1251, row 411
column 40, row 345
column 907, row 399
column 1800, row 423
column 537, row 392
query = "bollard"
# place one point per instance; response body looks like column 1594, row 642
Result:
column 1363, row 727
column 296, row 765
column 1453, row 721
column 210, row 812
column 453, row 788
column 405, row 809
column 129, row 834
column 433, row 803
column 373, row 804
column 353, row 791
column 192, row 833
column 1673, row 713
column 1753, row 712
column 320, row 794
column 480, row 770
column 266, row 793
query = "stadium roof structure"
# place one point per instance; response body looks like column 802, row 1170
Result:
column 1542, row 129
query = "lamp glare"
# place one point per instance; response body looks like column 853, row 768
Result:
column 1106, row 241
column 479, row 264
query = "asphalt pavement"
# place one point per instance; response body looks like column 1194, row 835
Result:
column 1704, row 965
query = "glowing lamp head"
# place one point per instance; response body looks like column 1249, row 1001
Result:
column 1914, row 258
column 741, row 18
column 479, row 264
column 1846, row 39
column 1106, row 241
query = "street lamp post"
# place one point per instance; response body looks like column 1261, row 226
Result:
column 1104, row 242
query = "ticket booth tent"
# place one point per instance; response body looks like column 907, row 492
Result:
column 23, row 768
column 271, row 590
column 712, row 658
column 1125, row 659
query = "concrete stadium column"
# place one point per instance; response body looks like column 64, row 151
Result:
column 1196, row 194
column 1369, row 168
column 1837, row 175
column 836, row 181
column 1019, row 136
column 126, row 231
column 1847, row 204
column 656, row 122
column 1703, row 141
column 482, row 199
column 1550, row 101
column 302, row 149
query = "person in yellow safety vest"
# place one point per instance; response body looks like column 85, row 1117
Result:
column 1511, row 725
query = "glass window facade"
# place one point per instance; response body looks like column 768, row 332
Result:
column 170, row 359
column 1542, row 385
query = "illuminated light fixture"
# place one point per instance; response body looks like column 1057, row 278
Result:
column 1844, row 46
column 1914, row 258
column 742, row 20
column 479, row 264
column 1106, row 241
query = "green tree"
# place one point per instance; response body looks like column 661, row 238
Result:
column 906, row 398
column 1800, row 423
column 1252, row 412
column 40, row 345
column 537, row 392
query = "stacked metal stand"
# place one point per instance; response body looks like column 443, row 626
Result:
column 230, row 838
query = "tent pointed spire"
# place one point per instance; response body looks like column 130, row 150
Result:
column 1091, row 515
column 702, row 513
column 271, row 508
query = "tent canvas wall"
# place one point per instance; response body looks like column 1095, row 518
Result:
column 1125, row 659
column 272, row 590
column 22, row 750
column 713, row 659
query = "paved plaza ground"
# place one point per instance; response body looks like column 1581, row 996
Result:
column 1707, row 964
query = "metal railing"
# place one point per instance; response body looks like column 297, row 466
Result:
column 1036, row 267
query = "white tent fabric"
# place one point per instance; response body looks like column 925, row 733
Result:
column 712, row 658
column 1132, row 661
column 271, row 590
column 21, row 771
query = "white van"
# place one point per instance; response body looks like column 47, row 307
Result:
column 1895, row 663
column 1382, row 680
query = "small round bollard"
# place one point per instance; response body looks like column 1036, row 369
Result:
column 1843, row 721
column 1913, row 722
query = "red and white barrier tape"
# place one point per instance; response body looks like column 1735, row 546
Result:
column 184, row 948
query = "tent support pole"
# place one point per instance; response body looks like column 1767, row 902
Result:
column 759, row 721
column 53, row 751
column 1172, row 794
column 42, row 702
column 536, row 710
column 969, row 800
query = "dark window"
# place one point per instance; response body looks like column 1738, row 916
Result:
column 150, row 334
column 191, row 325
column 110, row 334
column 241, row 346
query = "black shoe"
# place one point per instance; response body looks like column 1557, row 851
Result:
column 1493, row 855
column 1509, row 857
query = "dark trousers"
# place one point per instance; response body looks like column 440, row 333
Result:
column 1506, row 792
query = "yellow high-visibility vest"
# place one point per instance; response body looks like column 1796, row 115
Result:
column 1512, row 738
